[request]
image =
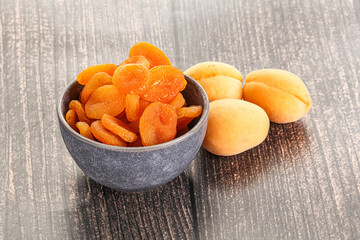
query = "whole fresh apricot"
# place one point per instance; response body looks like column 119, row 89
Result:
column 234, row 126
column 219, row 80
column 282, row 94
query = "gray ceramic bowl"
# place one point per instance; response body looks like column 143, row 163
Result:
column 135, row 168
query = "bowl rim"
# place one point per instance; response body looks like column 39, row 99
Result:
column 202, row 120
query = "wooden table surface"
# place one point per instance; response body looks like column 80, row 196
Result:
column 302, row 182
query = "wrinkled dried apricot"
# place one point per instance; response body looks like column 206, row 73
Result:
column 105, row 136
column 87, row 73
column 105, row 99
column 189, row 112
column 165, row 83
column 131, row 78
column 119, row 128
column 183, row 122
column 132, row 107
column 138, row 60
column 142, row 105
column 71, row 119
column 178, row 101
column 184, row 85
column 96, row 81
column 78, row 108
column 154, row 55
column 157, row 124
column 137, row 103
column 85, row 130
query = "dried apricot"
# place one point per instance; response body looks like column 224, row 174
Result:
column 186, row 114
column 184, row 85
column 78, row 108
column 85, row 130
column 137, row 103
column 189, row 112
column 105, row 99
column 131, row 78
column 165, row 83
column 105, row 136
column 154, row 55
column 119, row 128
column 138, row 60
column 87, row 73
column 132, row 107
column 71, row 119
column 157, row 124
column 178, row 101
column 96, row 81
column 142, row 105
column 183, row 122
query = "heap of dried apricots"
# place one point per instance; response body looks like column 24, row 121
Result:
column 138, row 103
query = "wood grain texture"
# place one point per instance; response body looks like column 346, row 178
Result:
column 44, row 195
column 303, row 182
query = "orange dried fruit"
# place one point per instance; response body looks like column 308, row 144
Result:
column 71, row 119
column 154, row 55
column 119, row 128
column 134, row 107
column 165, row 83
column 178, row 101
column 105, row 99
column 131, row 78
column 105, row 136
column 96, row 81
column 138, row 60
column 186, row 114
column 157, row 124
column 85, row 130
column 87, row 73
column 189, row 112
column 184, row 85
column 138, row 102
column 78, row 108
column 132, row 104
column 183, row 122
column 142, row 105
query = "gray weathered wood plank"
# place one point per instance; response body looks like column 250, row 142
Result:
column 44, row 45
column 303, row 181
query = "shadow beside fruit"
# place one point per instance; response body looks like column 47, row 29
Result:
column 283, row 148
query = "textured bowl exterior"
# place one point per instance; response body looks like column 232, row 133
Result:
column 135, row 168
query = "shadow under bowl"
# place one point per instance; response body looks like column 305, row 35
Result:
column 135, row 168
